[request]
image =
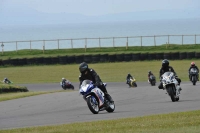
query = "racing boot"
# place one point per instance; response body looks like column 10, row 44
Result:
column 108, row 97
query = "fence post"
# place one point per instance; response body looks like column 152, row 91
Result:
column 58, row 43
column 99, row 42
column 71, row 43
column 16, row 46
column 141, row 41
column 43, row 46
column 85, row 47
column 2, row 47
column 168, row 39
column 195, row 38
column 127, row 43
column 154, row 40
column 85, row 42
column 30, row 45
column 113, row 41
column 182, row 39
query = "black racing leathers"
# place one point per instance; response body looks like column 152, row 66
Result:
column 167, row 69
column 94, row 77
column 197, row 71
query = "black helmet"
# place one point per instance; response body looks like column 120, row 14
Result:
column 83, row 67
column 165, row 63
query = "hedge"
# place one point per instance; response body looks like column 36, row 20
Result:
column 95, row 58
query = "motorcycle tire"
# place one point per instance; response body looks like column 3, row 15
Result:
column 134, row 84
column 93, row 104
column 194, row 80
column 111, row 106
column 171, row 93
column 72, row 87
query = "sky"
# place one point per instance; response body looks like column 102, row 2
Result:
column 97, row 7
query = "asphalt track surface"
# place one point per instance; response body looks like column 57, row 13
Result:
column 69, row 107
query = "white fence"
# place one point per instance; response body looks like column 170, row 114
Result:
column 155, row 40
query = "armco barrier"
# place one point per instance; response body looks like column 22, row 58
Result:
column 87, row 58
column 151, row 56
column 190, row 55
column 136, row 56
column 96, row 58
column 159, row 56
column 70, row 59
column 144, row 56
column 104, row 57
column 78, row 58
column 174, row 55
column 101, row 58
column 182, row 55
column 63, row 60
column 197, row 55
column 120, row 57
column 167, row 56
column 127, row 57
column 111, row 57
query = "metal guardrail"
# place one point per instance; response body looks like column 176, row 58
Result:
column 101, row 42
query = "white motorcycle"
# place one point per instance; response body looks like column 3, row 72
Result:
column 170, row 84
column 193, row 75
column 95, row 98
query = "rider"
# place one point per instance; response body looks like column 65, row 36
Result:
column 166, row 68
column 193, row 66
column 149, row 74
column 128, row 78
column 6, row 81
column 90, row 74
column 64, row 81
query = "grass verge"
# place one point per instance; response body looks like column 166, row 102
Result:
column 183, row 122
column 109, row 72
column 10, row 96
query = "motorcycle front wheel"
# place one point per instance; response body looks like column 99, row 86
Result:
column 93, row 104
column 171, row 93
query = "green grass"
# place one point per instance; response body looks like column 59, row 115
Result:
column 109, row 72
column 183, row 122
column 80, row 51
column 10, row 96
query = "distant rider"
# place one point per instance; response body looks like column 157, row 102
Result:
column 166, row 68
column 65, row 81
column 90, row 74
column 149, row 74
column 6, row 81
column 193, row 66
column 128, row 78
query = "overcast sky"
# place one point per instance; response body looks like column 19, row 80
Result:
column 98, row 7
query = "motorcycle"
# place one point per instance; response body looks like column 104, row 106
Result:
column 95, row 98
column 132, row 82
column 170, row 84
column 66, row 85
column 193, row 75
column 152, row 80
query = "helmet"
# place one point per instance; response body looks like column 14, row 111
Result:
column 192, row 63
column 149, row 71
column 83, row 67
column 5, row 78
column 63, row 78
column 165, row 63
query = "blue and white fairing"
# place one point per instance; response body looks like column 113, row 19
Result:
column 86, row 87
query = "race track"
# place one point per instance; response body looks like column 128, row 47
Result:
column 69, row 107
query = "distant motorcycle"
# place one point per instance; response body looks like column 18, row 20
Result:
column 170, row 84
column 95, row 98
column 193, row 75
column 66, row 85
column 132, row 82
column 152, row 80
